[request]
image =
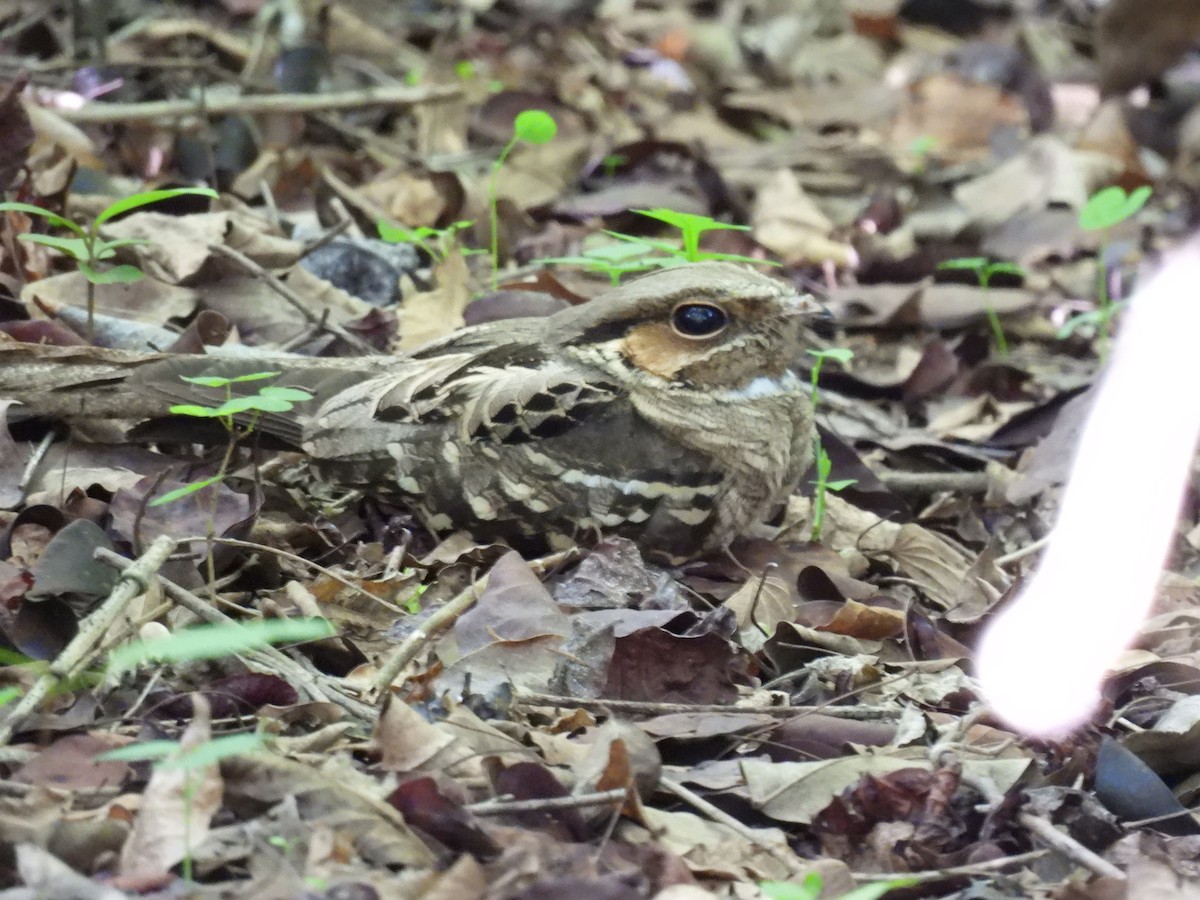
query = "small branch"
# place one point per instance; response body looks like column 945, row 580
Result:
column 789, row 861
column 864, row 713
column 1063, row 843
column 254, row 104
column 291, row 297
column 132, row 583
column 269, row 659
column 926, row 483
column 504, row 807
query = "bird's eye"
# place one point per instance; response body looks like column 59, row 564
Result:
column 698, row 320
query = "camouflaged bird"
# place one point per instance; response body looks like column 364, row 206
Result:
column 666, row 410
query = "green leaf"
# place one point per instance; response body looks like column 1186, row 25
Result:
column 809, row 889
column 218, row 381
column 191, row 409
column 74, row 247
column 52, row 218
column 217, row 749
column 256, row 403
column 837, row 354
column 973, row 263
column 1111, row 206
column 140, row 751
column 190, row 488
column 288, row 394
column 877, row 889
column 535, row 126
column 217, row 641
column 8, row 695
column 104, row 249
column 396, row 235
column 1007, row 268
column 212, row 381
column 252, row 376
column 115, row 275
column 681, row 220
column 1069, row 327
column 836, row 486
column 146, row 197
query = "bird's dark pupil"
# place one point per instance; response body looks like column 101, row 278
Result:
column 698, row 319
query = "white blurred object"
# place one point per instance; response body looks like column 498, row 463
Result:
column 1042, row 661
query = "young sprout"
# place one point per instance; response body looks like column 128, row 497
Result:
column 984, row 269
column 533, row 126
column 821, row 459
column 1104, row 210
column 88, row 249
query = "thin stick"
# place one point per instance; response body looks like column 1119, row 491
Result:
column 866, row 713
column 254, row 104
column 788, row 861
column 269, row 659
column 1063, row 843
column 504, row 807
column 131, row 584
column 285, row 554
column 291, row 297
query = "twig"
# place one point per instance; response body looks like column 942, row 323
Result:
column 927, row 875
column 254, row 104
column 1025, row 551
column 1063, row 843
column 291, row 297
column 35, row 459
column 285, row 554
column 443, row 618
column 504, row 807
column 865, row 713
column 132, row 583
column 935, row 482
column 788, row 861
column 269, row 659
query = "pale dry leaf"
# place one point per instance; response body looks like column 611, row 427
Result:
column 408, row 743
column 177, row 807
column 176, row 246
column 786, row 221
column 428, row 315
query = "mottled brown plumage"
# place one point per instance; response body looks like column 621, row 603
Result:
column 666, row 410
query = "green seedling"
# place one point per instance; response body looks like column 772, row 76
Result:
column 436, row 242
column 921, row 149
column 531, row 126
column 691, row 226
column 269, row 399
column 612, row 162
column 89, row 249
column 169, row 756
column 821, row 487
column 810, row 889
column 984, row 269
column 821, row 459
column 8, row 695
column 615, row 260
column 1104, row 210
column 841, row 355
